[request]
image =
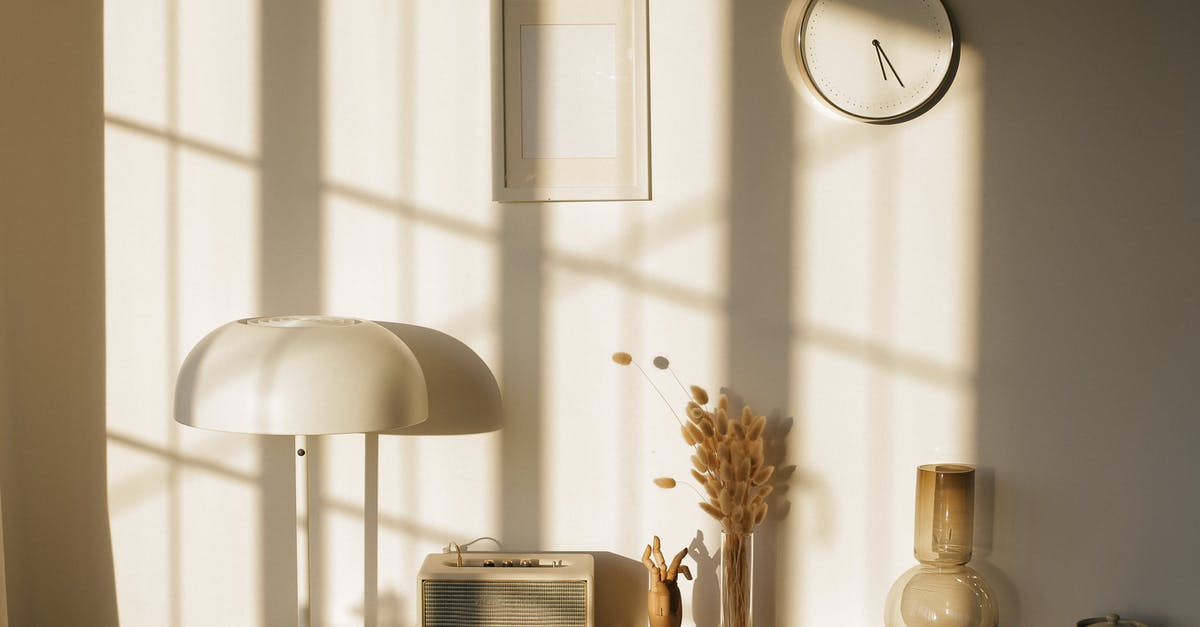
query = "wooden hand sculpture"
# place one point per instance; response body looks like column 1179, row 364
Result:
column 662, row 600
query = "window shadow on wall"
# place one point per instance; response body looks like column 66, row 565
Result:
column 760, row 208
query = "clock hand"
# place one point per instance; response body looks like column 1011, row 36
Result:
column 875, row 42
column 879, row 48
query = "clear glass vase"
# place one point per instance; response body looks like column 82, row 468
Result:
column 942, row 591
column 737, row 578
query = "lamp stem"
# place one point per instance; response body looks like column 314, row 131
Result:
column 303, row 536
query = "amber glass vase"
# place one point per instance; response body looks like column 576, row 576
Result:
column 942, row 591
column 737, row 578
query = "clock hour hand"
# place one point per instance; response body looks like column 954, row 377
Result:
column 880, row 53
column 879, row 56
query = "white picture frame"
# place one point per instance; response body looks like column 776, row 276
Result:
column 573, row 110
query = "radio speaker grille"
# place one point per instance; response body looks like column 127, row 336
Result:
column 505, row 603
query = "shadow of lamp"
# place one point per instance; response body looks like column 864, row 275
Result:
column 464, row 397
column 304, row 376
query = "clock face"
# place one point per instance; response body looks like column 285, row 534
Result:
column 877, row 60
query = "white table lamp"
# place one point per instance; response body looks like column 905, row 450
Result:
column 301, row 376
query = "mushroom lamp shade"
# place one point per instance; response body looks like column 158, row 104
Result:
column 301, row 375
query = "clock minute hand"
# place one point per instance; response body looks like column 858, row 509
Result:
column 879, row 49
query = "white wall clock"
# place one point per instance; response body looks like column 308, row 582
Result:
column 878, row 61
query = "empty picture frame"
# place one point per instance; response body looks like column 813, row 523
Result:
column 574, row 102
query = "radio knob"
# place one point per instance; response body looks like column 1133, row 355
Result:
column 489, row 563
column 507, row 563
column 529, row 563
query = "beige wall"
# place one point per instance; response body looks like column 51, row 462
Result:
column 1009, row 279
column 52, row 457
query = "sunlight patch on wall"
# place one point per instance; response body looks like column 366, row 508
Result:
column 585, row 435
column 135, row 60
column 884, row 350
column 338, row 576
column 219, row 550
column 218, row 73
column 365, row 95
column 218, row 238
column 139, row 507
column 139, row 372
column 833, row 506
column 690, row 69
column 835, row 247
column 136, row 261
column 364, row 252
column 626, row 278
column 455, row 281
column 693, row 339
column 683, row 246
column 449, row 134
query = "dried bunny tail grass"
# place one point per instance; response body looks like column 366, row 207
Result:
column 725, row 501
column 695, row 413
column 722, row 423
column 700, row 464
column 756, row 428
column 712, row 511
column 713, row 488
column 756, row 452
column 695, row 432
column 764, row 490
column 700, row 394
column 687, row 435
column 625, row 359
column 725, row 474
column 763, row 475
column 760, row 515
column 738, row 514
column 668, row 483
column 662, row 363
column 739, row 493
column 700, row 477
column 723, row 401
column 747, row 415
column 724, row 453
column 743, row 471
column 707, row 429
column 739, row 431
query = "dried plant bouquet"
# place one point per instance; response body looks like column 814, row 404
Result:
column 728, row 462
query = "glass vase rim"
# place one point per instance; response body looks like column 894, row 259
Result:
column 947, row 469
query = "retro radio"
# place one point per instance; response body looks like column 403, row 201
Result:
column 507, row 590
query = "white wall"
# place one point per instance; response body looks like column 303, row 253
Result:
column 1006, row 280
